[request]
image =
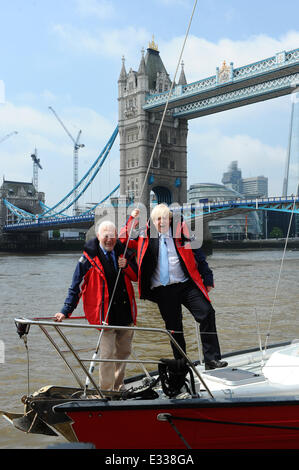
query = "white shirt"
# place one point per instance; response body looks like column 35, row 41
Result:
column 176, row 274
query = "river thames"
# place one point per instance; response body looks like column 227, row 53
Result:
column 246, row 284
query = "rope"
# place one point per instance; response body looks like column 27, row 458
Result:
column 169, row 420
column 23, row 330
column 280, row 269
column 233, row 423
column 172, row 373
column 168, row 98
column 146, row 175
column 28, row 364
column 157, row 138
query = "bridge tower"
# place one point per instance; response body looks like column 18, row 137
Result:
column 24, row 196
column 138, row 129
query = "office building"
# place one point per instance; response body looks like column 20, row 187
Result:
column 234, row 227
column 255, row 187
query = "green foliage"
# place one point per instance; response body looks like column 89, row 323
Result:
column 276, row 232
column 56, row 234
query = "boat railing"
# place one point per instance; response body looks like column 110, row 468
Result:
column 23, row 326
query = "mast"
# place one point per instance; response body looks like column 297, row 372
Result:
column 287, row 167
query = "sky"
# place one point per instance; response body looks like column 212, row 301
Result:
column 67, row 54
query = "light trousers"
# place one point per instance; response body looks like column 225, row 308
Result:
column 115, row 344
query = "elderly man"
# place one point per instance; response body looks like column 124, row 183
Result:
column 104, row 301
column 171, row 274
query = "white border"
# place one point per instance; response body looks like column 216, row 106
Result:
column 2, row 92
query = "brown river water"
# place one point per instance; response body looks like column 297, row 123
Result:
column 246, row 284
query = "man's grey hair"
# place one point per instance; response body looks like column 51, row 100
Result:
column 105, row 224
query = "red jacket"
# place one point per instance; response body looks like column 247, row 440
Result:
column 90, row 283
column 95, row 296
column 184, row 250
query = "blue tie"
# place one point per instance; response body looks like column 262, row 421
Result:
column 163, row 257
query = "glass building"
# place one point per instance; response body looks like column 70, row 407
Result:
column 235, row 227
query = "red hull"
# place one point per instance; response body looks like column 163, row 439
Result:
column 240, row 426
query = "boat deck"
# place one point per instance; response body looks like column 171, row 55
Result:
column 244, row 405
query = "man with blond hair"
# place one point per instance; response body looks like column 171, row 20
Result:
column 108, row 298
column 171, row 274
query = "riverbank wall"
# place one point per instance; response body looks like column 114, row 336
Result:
column 271, row 243
column 46, row 246
column 64, row 245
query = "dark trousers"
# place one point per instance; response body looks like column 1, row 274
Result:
column 170, row 300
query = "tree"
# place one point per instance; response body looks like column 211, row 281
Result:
column 276, row 232
column 56, row 234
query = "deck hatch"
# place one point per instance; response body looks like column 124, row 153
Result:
column 233, row 376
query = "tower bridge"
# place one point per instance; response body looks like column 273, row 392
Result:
column 153, row 154
column 206, row 210
column 145, row 93
column 230, row 88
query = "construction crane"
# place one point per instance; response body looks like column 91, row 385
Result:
column 77, row 146
column 7, row 136
column 36, row 166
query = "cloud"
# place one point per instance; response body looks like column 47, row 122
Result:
column 23, row 117
column 101, row 9
column 211, row 153
column 201, row 57
column 213, row 141
column 42, row 131
column 107, row 43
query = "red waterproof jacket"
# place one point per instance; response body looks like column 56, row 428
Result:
column 95, row 295
column 89, row 282
column 184, row 250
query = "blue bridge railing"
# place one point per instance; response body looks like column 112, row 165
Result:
column 203, row 207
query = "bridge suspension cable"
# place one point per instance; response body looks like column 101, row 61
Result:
column 68, row 200
column 19, row 213
column 45, row 208
column 27, row 216
column 92, row 209
column 59, row 209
